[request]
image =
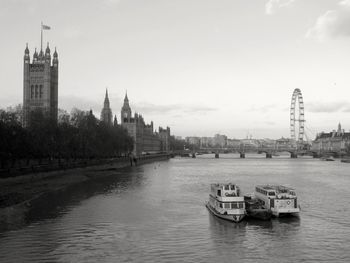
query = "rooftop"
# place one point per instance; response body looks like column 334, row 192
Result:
column 277, row 188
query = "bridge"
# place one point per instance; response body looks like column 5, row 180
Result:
column 269, row 150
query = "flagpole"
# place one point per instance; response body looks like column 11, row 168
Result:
column 41, row 35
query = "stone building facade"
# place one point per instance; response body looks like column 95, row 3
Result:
column 146, row 141
column 337, row 141
column 40, row 84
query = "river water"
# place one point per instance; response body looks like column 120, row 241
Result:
column 156, row 213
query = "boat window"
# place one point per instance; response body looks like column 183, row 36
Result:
column 227, row 205
column 271, row 193
column 240, row 204
column 220, row 204
column 234, row 205
column 227, row 187
column 232, row 187
column 219, row 193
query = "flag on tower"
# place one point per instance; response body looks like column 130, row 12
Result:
column 45, row 27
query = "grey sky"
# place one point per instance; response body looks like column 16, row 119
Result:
column 200, row 66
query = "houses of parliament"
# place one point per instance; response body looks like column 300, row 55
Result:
column 40, row 92
column 146, row 140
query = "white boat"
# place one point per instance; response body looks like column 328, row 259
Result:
column 225, row 202
column 280, row 200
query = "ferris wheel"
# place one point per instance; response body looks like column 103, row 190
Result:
column 297, row 97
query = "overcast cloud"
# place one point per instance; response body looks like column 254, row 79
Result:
column 272, row 6
column 333, row 23
column 200, row 66
column 327, row 107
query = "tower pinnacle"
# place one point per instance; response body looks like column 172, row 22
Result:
column 106, row 113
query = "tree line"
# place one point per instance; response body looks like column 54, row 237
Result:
column 76, row 135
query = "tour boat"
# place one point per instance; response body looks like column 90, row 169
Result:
column 255, row 209
column 226, row 203
column 280, row 200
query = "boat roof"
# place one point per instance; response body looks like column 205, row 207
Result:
column 222, row 184
column 277, row 188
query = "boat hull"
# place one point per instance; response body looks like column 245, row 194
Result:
column 233, row 218
column 262, row 214
column 285, row 212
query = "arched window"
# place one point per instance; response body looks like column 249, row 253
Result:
column 36, row 91
column 32, row 91
column 41, row 91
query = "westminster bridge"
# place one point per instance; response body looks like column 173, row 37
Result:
column 268, row 150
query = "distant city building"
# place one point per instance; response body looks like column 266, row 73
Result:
column 336, row 141
column 261, row 142
column 220, row 140
column 207, row 142
column 164, row 135
column 193, row 140
column 106, row 113
column 145, row 139
column 40, row 84
column 233, row 143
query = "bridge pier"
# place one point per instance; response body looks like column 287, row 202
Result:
column 269, row 155
column 293, row 155
column 216, row 155
column 242, row 155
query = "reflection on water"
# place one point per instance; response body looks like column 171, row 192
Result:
column 156, row 212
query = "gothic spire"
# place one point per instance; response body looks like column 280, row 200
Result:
column 106, row 103
column 47, row 51
column 55, row 55
column 26, row 51
column 106, row 113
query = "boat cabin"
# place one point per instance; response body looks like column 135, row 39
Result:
column 280, row 199
column 224, row 190
column 276, row 191
column 225, row 197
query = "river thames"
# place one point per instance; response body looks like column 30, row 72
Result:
column 156, row 213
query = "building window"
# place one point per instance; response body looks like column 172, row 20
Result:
column 234, row 205
column 41, row 91
column 36, row 91
column 32, row 91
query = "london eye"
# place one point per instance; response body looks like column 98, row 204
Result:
column 297, row 117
